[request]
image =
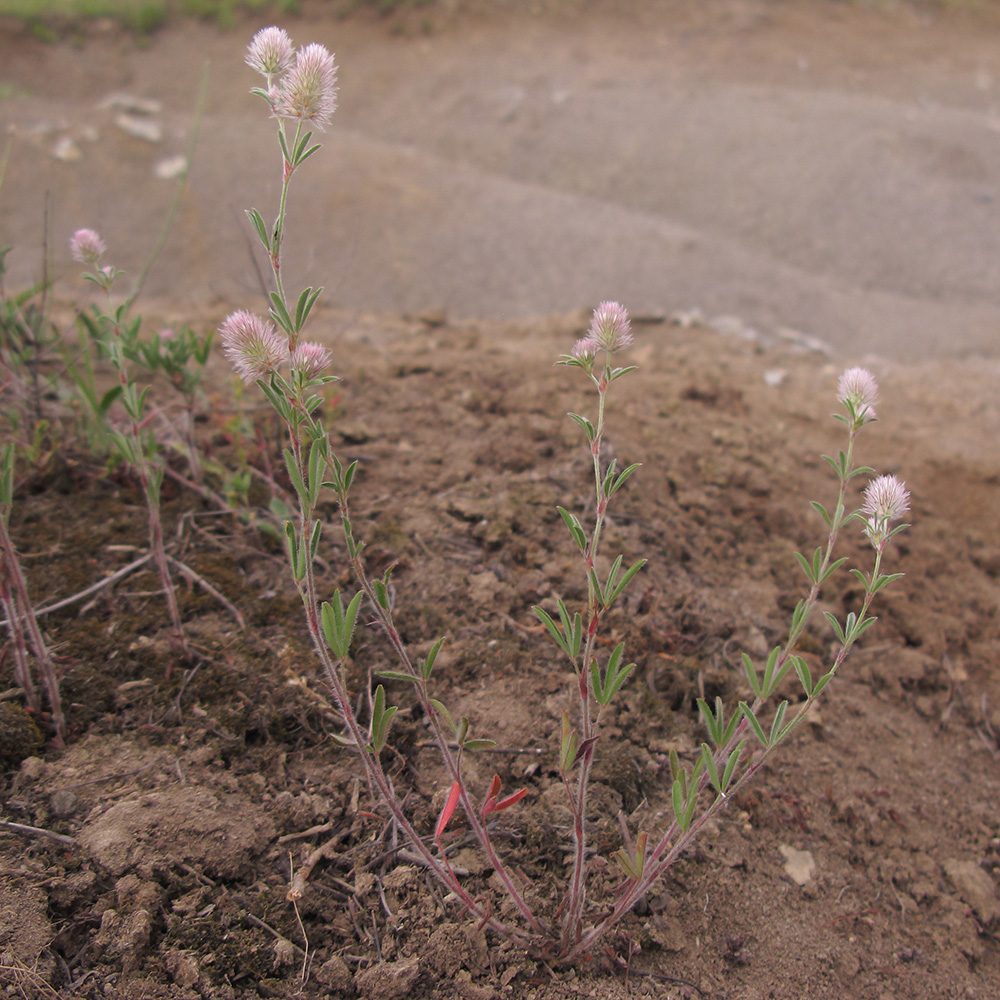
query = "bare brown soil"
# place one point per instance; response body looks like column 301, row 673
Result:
column 192, row 794
column 189, row 795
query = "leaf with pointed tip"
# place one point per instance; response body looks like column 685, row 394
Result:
column 447, row 811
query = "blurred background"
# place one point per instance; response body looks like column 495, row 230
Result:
column 821, row 171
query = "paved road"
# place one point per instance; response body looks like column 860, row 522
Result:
column 832, row 172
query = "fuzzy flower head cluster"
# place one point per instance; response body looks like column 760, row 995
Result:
column 86, row 247
column 256, row 350
column 310, row 361
column 886, row 499
column 271, row 52
column 609, row 331
column 302, row 84
column 858, row 391
column 252, row 345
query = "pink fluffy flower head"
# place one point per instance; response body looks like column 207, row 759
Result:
column 610, row 328
column 858, row 391
column 886, row 499
column 308, row 91
column 86, row 246
column 311, row 360
column 585, row 350
column 270, row 53
column 252, row 345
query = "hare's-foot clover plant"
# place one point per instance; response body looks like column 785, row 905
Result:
column 270, row 351
column 135, row 441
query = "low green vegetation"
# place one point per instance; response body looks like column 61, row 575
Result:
column 46, row 18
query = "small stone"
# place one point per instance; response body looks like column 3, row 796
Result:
column 335, row 974
column 284, row 953
column 183, row 968
column 352, row 431
column 121, row 101
column 388, row 980
column 800, row 866
column 32, row 768
column 171, row 167
column 63, row 803
column 140, row 128
column 66, row 150
column 975, row 888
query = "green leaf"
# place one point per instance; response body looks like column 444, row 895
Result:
column 575, row 529
column 731, row 764
column 349, row 476
column 588, row 427
column 678, row 802
column 338, row 625
column 623, row 478
column 822, row 510
column 806, row 567
column 279, row 313
column 884, row 581
column 259, row 227
column 294, row 474
column 822, row 683
column 614, row 676
column 832, row 619
column 805, row 676
column 317, row 459
column 596, row 584
column 317, row 530
column 304, row 306
column 751, row 671
column 626, row 864
column 713, row 771
column 440, row 708
column 832, row 568
column 553, row 630
column 567, row 745
column 609, row 476
column 753, row 723
column 713, row 722
column 675, row 766
column 617, row 373
column 474, row 745
column 381, row 719
column 428, row 665
column 779, row 718
column 769, row 682
column 624, row 582
column 382, row 594
column 394, row 675
column 295, row 557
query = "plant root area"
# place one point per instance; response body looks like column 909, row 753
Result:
column 191, row 793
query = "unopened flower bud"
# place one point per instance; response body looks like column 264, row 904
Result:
column 86, row 246
column 270, row 52
column 610, row 327
column 252, row 345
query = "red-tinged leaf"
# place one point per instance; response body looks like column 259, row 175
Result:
column 489, row 803
column 584, row 747
column 511, row 799
column 447, row 812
